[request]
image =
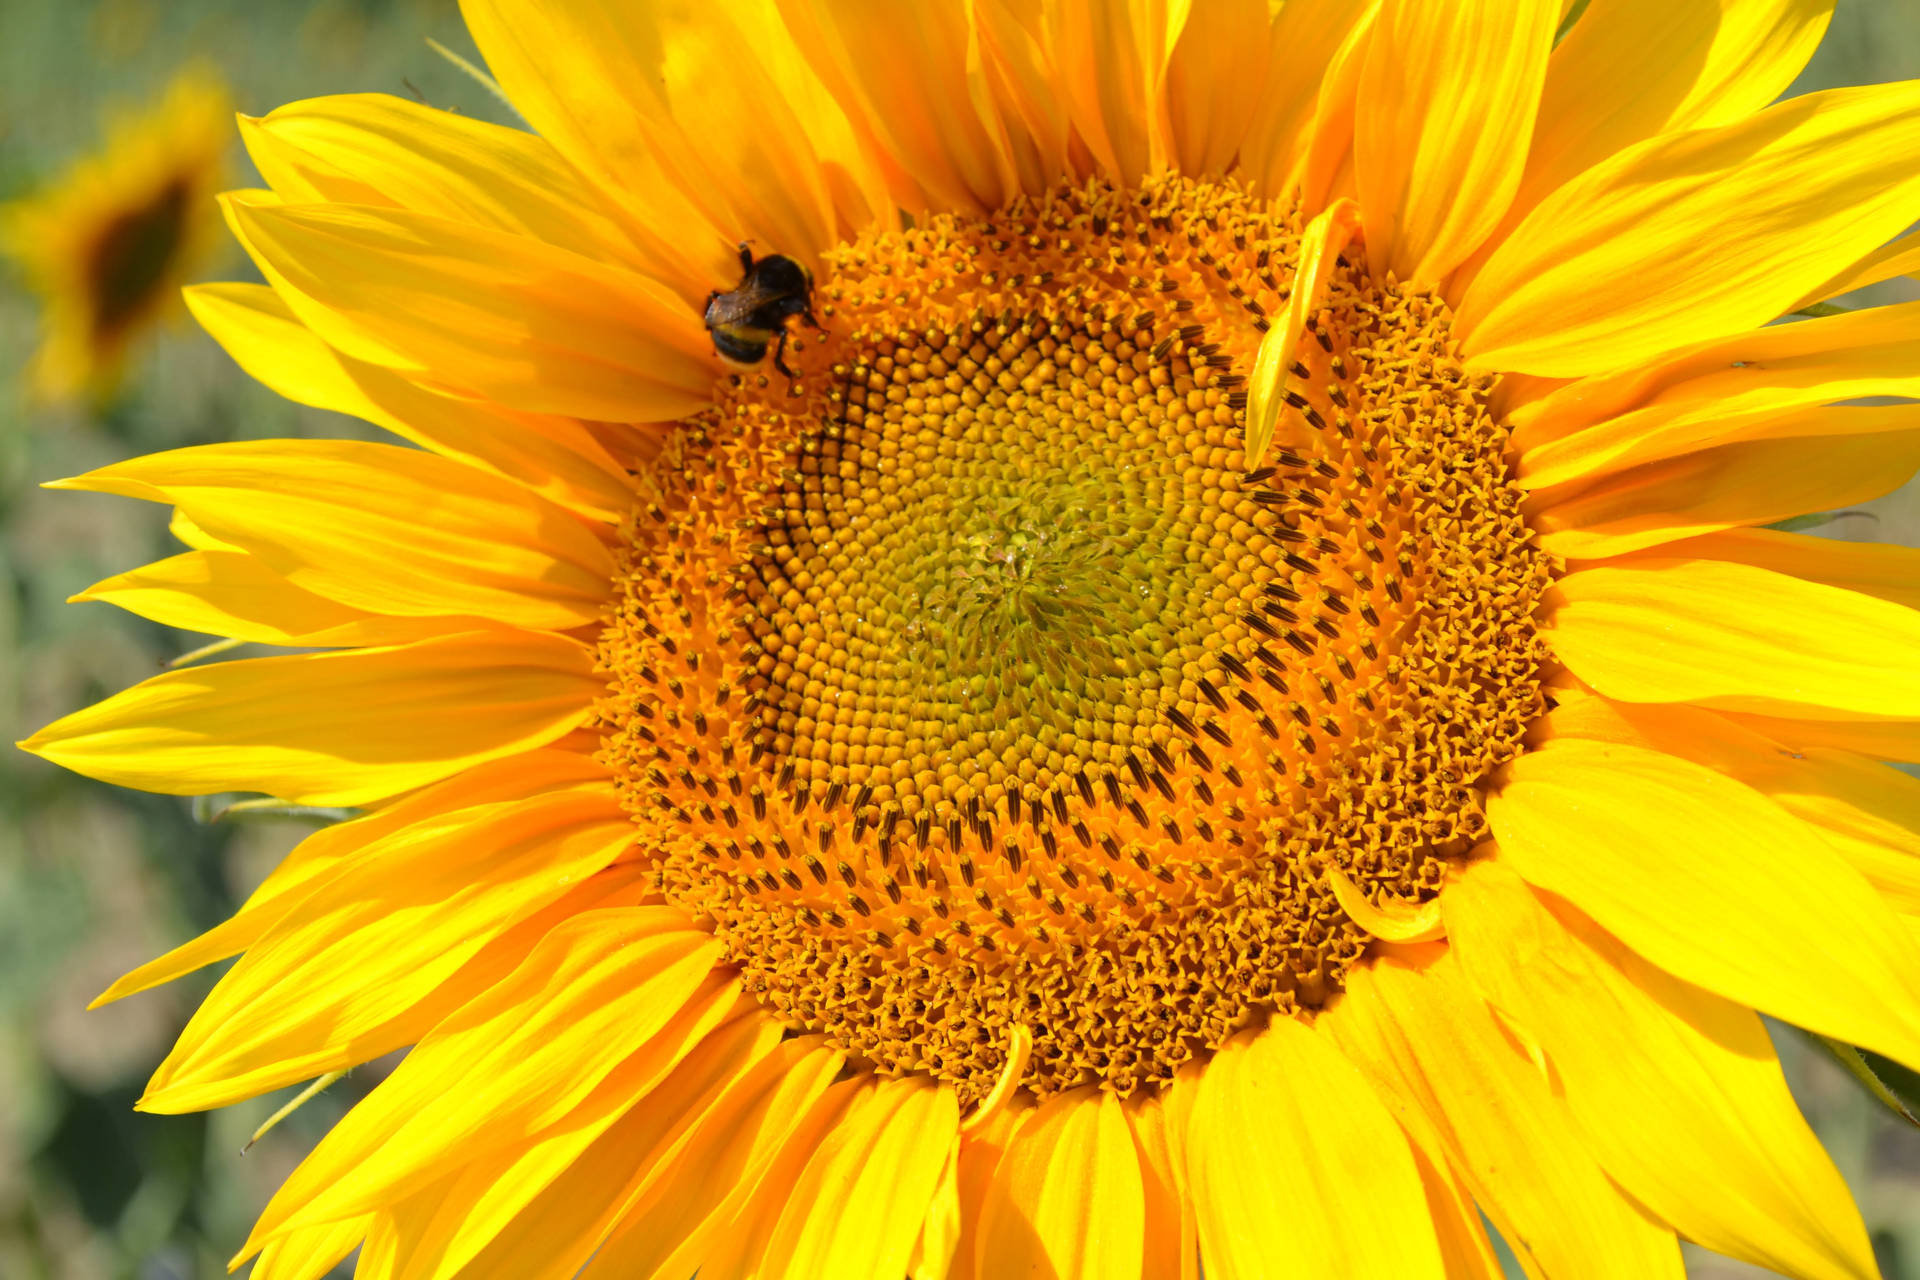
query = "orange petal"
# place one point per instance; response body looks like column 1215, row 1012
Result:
column 1896, row 258
column 628, row 95
column 1300, row 53
column 1215, row 82
column 1446, row 109
column 1172, row 1229
column 231, row 593
column 1880, row 569
column 1110, row 64
column 658, row 1187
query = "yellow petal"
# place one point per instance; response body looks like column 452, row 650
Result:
column 379, row 1257
column 231, row 593
column 1631, row 258
column 1677, row 1091
column 590, row 1000
column 1896, row 258
column 1860, row 455
column 1761, row 395
column 379, row 952
column 1297, row 1167
column 381, row 528
column 491, row 1192
column 1300, row 54
column 1020, row 75
column 1110, row 63
column 919, row 83
column 327, row 852
column 1172, row 1227
column 980, row 1154
column 1737, row 638
column 664, row 1164
column 1215, row 82
column 628, row 95
column 939, row 1238
column 1880, row 569
column 331, row 728
column 1324, row 166
column 1868, row 812
column 1881, row 739
column 1320, row 246
column 1761, row 371
column 374, row 149
column 535, row 327
column 557, row 457
column 1707, row 879
column 1067, row 1200
column 1019, row 1052
column 1692, row 64
column 310, row 1254
column 857, row 1206
column 1431, row 1048
column 1447, row 103
column 751, row 1213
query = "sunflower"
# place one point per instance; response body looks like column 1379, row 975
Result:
column 108, row 245
column 1229, row 702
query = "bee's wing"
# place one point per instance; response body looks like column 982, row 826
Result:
column 738, row 305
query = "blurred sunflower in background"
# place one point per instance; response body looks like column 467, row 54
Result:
column 1216, row 692
column 109, row 243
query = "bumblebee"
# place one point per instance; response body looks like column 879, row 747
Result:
column 747, row 318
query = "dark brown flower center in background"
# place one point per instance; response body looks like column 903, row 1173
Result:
column 129, row 260
column 973, row 681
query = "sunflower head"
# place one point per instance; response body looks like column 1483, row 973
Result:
column 108, row 244
column 1223, row 699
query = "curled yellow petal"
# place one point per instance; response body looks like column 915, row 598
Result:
column 1019, row 1049
column 1320, row 246
column 1401, row 922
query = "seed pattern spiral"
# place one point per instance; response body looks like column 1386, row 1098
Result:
column 970, row 681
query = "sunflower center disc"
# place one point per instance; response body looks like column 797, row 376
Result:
column 971, row 681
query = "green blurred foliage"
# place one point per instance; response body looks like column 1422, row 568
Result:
column 94, row 880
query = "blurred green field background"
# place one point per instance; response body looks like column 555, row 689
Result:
column 94, row 880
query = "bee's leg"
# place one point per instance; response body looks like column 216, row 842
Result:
column 746, row 256
column 780, row 355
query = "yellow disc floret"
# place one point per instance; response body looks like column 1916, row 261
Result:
column 971, row 682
